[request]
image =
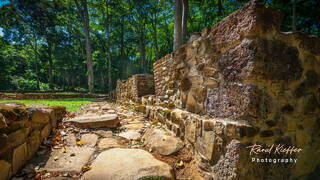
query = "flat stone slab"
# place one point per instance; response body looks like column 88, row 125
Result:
column 131, row 134
column 71, row 161
column 112, row 142
column 95, row 121
column 127, row 164
column 104, row 133
column 134, row 126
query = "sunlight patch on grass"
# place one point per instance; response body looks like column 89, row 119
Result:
column 72, row 104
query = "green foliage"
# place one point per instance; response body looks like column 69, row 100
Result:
column 72, row 104
column 43, row 38
column 21, row 83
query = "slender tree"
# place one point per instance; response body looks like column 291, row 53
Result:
column 220, row 7
column 177, row 42
column 185, row 11
column 83, row 11
column 294, row 15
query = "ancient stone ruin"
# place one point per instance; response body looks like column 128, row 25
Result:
column 22, row 130
column 135, row 87
column 242, row 82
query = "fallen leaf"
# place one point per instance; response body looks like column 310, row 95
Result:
column 179, row 164
column 80, row 143
column 86, row 168
column 64, row 150
column 58, row 138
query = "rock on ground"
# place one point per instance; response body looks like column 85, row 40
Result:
column 96, row 121
column 127, row 164
column 71, row 161
column 89, row 140
column 112, row 142
column 162, row 141
column 134, row 126
column 131, row 134
column 104, row 133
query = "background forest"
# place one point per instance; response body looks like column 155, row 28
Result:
column 62, row 44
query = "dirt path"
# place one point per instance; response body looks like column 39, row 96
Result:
column 108, row 141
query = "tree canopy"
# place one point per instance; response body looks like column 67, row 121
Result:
column 44, row 43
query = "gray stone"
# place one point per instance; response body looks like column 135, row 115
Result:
column 96, row 121
column 71, row 161
column 131, row 134
column 127, row 164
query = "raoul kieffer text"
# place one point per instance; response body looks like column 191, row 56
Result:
column 274, row 149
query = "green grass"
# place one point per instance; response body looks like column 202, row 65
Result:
column 8, row 93
column 72, row 104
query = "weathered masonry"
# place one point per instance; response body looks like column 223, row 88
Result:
column 22, row 130
column 135, row 87
column 243, row 82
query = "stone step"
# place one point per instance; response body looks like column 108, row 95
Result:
column 127, row 164
column 95, row 121
column 72, row 160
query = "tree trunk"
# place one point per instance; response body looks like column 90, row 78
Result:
column 155, row 36
column 177, row 42
column 220, row 8
column 143, row 51
column 122, row 48
column 109, row 47
column 294, row 15
column 50, row 67
column 36, row 61
column 185, row 11
column 83, row 9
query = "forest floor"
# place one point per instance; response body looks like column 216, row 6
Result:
column 86, row 151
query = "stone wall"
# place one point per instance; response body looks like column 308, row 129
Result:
column 243, row 82
column 135, row 87
column 22, row 130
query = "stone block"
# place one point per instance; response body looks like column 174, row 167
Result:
column 5, row 168
column 191, row 128
column 205, row 144
column 237, row 101
column 45, row 132
column 3, row 123
column 18, row 137
column 20, row 156
column 33, row 142
column 13, row 111
column 39, row 115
